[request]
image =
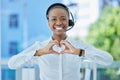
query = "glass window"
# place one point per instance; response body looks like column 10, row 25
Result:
column 13, row 48
column 13, row 21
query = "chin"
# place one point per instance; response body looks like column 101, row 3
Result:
column 60, row 34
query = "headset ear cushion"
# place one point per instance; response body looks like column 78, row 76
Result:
column 71, row 23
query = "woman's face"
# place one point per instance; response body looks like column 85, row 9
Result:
column 58, row 20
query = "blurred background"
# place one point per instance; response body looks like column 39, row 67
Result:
column 97, row 22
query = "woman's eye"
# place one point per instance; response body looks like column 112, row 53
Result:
column 63, row 19
column 53, row 19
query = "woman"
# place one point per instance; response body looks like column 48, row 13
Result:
column 59, row 57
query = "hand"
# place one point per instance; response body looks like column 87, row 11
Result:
column 48, row 49
column 69, row 48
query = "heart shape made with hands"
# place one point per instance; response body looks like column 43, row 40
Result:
column 58, row 49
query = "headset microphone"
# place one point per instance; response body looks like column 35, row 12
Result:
column 71, row 22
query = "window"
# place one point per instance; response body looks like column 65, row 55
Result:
column 13, row 21
column 13, row 48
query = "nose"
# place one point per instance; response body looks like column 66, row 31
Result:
column 58, row 22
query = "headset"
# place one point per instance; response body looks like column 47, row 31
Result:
column 71, row 21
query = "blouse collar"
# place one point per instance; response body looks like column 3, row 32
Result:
column 67, row 38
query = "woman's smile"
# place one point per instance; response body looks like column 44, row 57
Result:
column 59, row 28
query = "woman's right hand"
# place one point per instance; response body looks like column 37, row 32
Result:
column 48, row 49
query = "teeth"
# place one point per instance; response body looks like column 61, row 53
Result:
column 59, row 28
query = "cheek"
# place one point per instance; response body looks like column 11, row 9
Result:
column 50, row 25
column 66, row 23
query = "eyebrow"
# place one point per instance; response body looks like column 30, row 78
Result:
column 56, row 16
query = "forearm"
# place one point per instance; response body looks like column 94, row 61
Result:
column 79, row 52
column 99, row 56
column 23, row 57
column 38, row 52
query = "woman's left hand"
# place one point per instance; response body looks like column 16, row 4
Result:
column 69, row 48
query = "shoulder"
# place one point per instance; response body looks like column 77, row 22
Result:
column 77, row 43
column 74, row 41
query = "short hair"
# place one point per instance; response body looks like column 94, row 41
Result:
column 56, row 5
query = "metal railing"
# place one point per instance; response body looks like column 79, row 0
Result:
column 89, row 71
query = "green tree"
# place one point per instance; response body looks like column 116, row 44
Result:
column 105, row 32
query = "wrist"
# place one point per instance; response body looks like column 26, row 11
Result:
column 38, row 52
column 77, row 51
column 81, row 52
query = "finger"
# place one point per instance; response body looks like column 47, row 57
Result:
column 64, row 42
column 54, row 42
column 54, row 52
column 63, row 52
column 57, row 42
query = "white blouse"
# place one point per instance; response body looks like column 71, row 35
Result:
column 59, row 67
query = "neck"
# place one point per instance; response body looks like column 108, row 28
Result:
column 59, row 38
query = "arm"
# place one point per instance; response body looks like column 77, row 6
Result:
column 89, row 52
column 97, row 55
column 24, row 57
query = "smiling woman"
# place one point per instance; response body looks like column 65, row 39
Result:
column 58, row 21
column 59, row 57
